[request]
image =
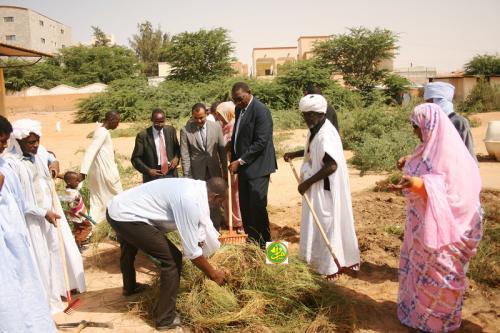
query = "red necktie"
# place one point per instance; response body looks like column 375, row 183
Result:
column 163, row 154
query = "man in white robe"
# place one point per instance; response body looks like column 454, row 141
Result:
column 23, row 305
column 325, row 179
column 100, row 166
column 42, row 212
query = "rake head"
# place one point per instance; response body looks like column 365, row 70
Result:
column 233, row 239
column 72, row 306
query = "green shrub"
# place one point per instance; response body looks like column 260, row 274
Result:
column 380, row 153
column 485, row 265
column 485, row 97
column 378, row 135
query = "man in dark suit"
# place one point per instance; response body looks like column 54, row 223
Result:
column 156, row 152
column 253, row 159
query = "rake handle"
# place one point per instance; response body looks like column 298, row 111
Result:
column 316, row 219
column 62, row 253
column 230, row 199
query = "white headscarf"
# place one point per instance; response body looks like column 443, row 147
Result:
column 224, row 109
column 21, row 129
column 441, row 94
column 313, row 103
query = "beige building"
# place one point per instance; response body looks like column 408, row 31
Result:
column 240, row 68
column 463, row 83
column 306, row 45
column 268, row 60
column 26, row 28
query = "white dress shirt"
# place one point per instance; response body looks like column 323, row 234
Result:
column 169, row 204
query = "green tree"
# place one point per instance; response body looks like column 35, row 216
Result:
column 358, row 54
column 201, row 55
column 395, row 86
column 21, row 74
column 100, row 37
column 483, row 65
column 89, row 64
column 304, row 73
column 150, row 46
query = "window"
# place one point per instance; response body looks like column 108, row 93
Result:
column 10, row 38
column 62, row 31
column 8, row 19
column 63, row 46
column 41, row 23
column 42, row 40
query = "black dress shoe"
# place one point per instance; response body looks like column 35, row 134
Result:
column 139, row 288
column 168, row 326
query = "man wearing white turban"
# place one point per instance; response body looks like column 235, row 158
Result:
column 43, row 212
column 325, row 179
column 441, row 93
column 28, row 312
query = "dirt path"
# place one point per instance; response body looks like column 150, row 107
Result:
column 373, row 291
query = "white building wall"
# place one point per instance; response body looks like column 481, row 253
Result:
column 29, row 31
column 19, row 27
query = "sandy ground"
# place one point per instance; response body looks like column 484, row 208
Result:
column 374, row 290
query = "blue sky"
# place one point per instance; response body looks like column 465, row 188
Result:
column 434, row 33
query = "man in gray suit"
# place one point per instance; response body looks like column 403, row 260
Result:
column 202, row 150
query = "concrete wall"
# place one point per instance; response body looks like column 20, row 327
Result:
column 19, row 27
column 15, row 104
column 55, row 34
column 463, row 85
column 306, row 45
column 29, row 31
column 495, row 80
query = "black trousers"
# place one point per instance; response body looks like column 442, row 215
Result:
column 253, row 207
column 139, row 235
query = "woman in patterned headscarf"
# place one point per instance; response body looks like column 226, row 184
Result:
column 225, row 114
column 442, row 184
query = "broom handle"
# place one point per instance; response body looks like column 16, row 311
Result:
column 62, row 252
column 230, row 199
column 316, row 219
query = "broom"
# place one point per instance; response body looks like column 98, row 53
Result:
column 231, row 238
column 72, row 304
column 318, row 224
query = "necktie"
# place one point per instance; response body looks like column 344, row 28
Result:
column 163, row 154
column 204, row 136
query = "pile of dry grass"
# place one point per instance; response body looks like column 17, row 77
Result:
column 257, row 298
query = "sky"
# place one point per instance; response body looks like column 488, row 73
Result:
column 444, row 34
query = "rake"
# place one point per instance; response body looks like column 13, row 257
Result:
column 318, row 224
column 231, row 238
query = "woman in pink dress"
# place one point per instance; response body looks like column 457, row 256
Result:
column 225, row 114
column 442, row 184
